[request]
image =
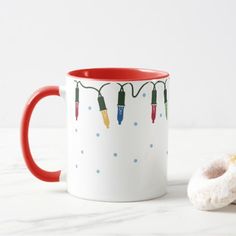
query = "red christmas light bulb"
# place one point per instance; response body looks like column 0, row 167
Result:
column 154, row 112
column 76, row 110
column 154, row 104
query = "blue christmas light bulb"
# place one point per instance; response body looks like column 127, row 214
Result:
column 120, row 106
column 120, row 114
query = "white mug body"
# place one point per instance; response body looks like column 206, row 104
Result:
column 117, row 134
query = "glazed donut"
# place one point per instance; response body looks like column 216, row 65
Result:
column 214, row 185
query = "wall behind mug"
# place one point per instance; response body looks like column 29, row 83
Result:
column 193, row 40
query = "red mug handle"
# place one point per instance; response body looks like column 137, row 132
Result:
column 33, row 167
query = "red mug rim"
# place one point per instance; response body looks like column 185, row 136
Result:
column 118, row 74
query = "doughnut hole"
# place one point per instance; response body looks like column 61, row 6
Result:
column 216, row 170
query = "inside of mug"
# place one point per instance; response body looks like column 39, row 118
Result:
column 119, row 74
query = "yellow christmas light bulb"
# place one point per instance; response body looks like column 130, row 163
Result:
column 105, row 117
column 103, row 110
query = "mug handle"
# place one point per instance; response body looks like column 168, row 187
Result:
column 44, row 175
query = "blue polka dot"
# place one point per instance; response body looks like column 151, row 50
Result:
column 135, row 123
column 115, row 154
column 151, row 145
column 82, row 151
column 160, row 114
column 144, row 95
column 90, row 108
column 97, row 134
column 97, row 171
column 135, row 160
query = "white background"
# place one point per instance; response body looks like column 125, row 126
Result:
column 193, row 40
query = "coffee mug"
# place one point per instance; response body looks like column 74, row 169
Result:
column 117, row 133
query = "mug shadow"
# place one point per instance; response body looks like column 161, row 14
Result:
column 174, row 193
column 175, row 190
column 59, row 191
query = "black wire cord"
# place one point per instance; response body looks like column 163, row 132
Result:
column 162, row 82
column 122, row 86
column 90, row 87
column 140, row 89
column 132, row 87
column 77, row 83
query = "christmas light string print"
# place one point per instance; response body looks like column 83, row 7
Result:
column 76, row 100
column 154, row 103
column 120, row 105
column 121, row 100
column 101, row 102
column 154, row 100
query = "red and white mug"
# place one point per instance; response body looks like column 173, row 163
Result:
column 117, row 133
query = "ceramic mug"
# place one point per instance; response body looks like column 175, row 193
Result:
column 117, row 133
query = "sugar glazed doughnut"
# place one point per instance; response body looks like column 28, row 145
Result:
column 214, row 186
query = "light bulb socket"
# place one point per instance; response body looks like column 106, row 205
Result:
column 77, row 93
column 120, row 114
column 101, row 103
column 165, row 95
column 154, row 96
column 121, row 98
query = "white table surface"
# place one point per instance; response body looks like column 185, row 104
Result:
column 29, row 206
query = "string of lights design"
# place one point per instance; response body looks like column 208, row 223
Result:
column 121, row 100
column 101, row 101
column 154, row 100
